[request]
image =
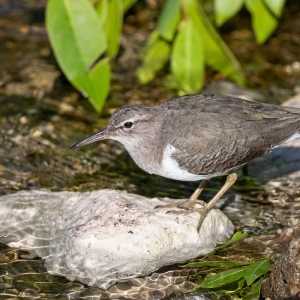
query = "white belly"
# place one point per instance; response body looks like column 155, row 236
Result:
column 171, row 169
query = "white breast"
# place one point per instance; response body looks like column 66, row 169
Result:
column 171, row 169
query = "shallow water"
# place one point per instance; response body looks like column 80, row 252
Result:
column 41, row 116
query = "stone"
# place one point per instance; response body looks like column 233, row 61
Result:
column 284, row 278
column 105, row 236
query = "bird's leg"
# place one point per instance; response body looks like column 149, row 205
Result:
column 189, row 204
column 203, row 211
column 231, row 179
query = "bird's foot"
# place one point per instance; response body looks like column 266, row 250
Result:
column 186, row 205
column 203, row 213
column 187, row 209
column 191, row 205
column 171, row 205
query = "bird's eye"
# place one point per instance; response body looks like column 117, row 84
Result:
column 128, row 125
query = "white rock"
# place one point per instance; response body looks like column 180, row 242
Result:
column 105, row 236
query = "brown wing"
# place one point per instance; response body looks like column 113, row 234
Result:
column 213, row 134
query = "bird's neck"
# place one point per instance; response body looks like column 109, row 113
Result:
column 146, row 153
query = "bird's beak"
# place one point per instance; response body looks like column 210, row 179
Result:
column 101, row 135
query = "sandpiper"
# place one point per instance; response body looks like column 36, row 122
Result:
column 197, row 137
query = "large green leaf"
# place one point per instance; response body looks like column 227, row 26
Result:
column 113, row 26
column 78, row 39
column 76, row 35
column 222, row 278
column 155, row 57
column 169, row 19
column 226, row 9
column 263, row 21
column 187, row 59
column 217, row 54
column 256, row 270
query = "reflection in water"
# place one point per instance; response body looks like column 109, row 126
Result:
column 21, row 277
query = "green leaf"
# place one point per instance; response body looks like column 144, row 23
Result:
column 253, row 292
column 238, row 236
column 256, row 270
column 275, row 6
column 217, row 54
column 241, row 284
column 95, row 84
column 263, row 22
column 219, row 264
column 78, row 39
column 152, row 39
column 222, row 278
column 233, row 287
column 154, row 59
column 102, row 10
column 226, row 9
column 113, row 26
column 187, row 59
column 76, row 35
column 128, row 4
column 169, row 19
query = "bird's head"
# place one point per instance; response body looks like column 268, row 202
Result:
column 129, row 124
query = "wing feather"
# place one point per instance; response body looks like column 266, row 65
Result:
column 214, row 134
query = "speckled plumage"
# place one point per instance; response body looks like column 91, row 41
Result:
column 210, row 134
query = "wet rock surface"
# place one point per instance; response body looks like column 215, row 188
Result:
column 23, row 278
column 103, row 237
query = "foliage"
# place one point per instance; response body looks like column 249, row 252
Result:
column 85, row 36
column 192, row 41
column 80, row 34
column 187, row 33
column 265, row 14
column 237, row 279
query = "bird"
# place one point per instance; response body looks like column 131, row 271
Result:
column 198, row 137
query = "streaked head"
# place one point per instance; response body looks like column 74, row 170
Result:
column 126, row 125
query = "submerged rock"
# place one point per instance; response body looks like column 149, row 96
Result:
column 105, row 236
